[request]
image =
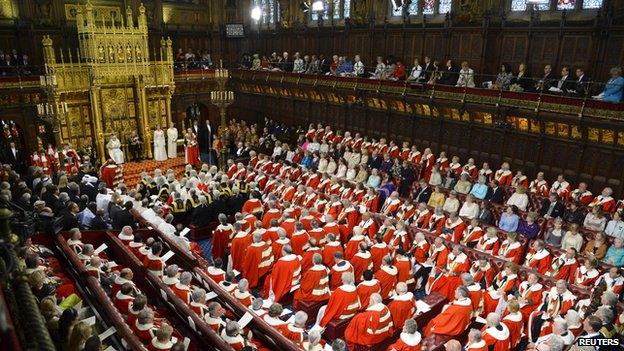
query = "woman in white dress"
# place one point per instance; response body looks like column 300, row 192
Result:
column 172, row 141
column 160, row 145
column 114, row 150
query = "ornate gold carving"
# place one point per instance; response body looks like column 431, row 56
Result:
column 113, row 70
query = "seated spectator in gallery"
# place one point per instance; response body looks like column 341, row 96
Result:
column 614, row 88
column 509, row 219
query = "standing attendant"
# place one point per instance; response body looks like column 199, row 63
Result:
column 160, row 148
column 172, row 141
column 205, row 140
column 134, row 144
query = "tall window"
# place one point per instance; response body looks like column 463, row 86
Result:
column 425, row 7
column 340, row 9
column 445, row 6
column 270, row 10
column 412, row 9
column 566, row 4
column 592, row 4
column 521, row 5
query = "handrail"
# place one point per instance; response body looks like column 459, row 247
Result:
column 94, row 286
column 192, row 263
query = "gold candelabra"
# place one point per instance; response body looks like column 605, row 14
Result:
column 52, row 111
column 222, row 99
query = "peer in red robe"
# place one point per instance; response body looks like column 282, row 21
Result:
column 409, row 339
column 371, row 326
column 314, row 284
column 340, row 266
column 455, row 317
column 564, row 266
column 240, row 244
column 503, row 284
column 330, row 249
column 538, row 257
column 378, row 251
column 482, row 272
column 496, row 334
column 511, row 249
column 367, row 287
column 284, row 277
column 403, row 305
column 529, row 295
column 221, row 237
column 343, row 303
column 257, row 261
column 514, row 322
column 387, row 276
column 361, row 262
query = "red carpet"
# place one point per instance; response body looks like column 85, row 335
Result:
column 132, row 170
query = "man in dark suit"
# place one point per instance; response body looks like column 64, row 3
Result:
column 495, row 193
column 374, row 161
column 205, row 138
column 423, row 193
column 236, row 201
column 287, row 64
column 218, row 206
column 202, row 214
column 551, row 207
column 14, row 157
column 547, row 80
column 591, row 330
column 450, row 74
column 582, row 83
column 566, row 83
column 428, row 69
column 124, row 217
column 69, row 216
column 242, row 151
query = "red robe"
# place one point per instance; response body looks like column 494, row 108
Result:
column 539, row 261
column 402, row 308
column 453, row 231
column 515, row 325
column 284, row 276
column 492, row 297
column 497, row 340
column 369, row 327
column 564, row 268
column 533, row 296
column 504, row 177
column 353, row 246
column 252, row 206
column 472, row 235
column 453, row 320
column 257, row 262
column 328, row 252
column 343, row 304
column 109, row 175
column 511, row 251
column 314, row 286
column 365, row 289
column 421, row 251
column 361, row 262
column 387, row 276
column 299, row 242
column 221, row 237
column 240, row 244
column 378, row 252
column 483, row 274
column 404, row 268
column 270, row 215
column 336, row 272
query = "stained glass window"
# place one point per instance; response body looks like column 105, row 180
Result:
column 566, row 4
column 346, row 8
column 412, row 9
column 315, row 14
column 337, row 13
column 521, row 5
column 428, row 7
column 592, row 4
column 445, row 6
column 268, row 10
